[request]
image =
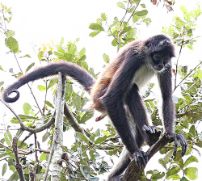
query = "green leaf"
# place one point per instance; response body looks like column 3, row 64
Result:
column 198, row 74
column 41, row 87
column 104, row 16
column 1, row 68
column 40, row 55
column 86, row 116
column 106, row 58
column 49, row 104
column 43, row 157
column 100, row 140
column 94, row 33
column 121, row 5
column 82, row 137
column 193, row 131
column 9, row 33
column 114, row 42
column 45, row 136
column 189, row 160
column 141, row 13
column 72, row 48
column 191, row 173
column 174, row 170
column 96, row 26
column 14, row 176
column 12, row 44
column 51, row 83
column 8, row 138
column 27, row 108
column 156, row 174
column 30, row 66
column 4, row 169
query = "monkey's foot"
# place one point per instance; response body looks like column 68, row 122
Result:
column 153, row 134
column 141, row 158
column 180, row 140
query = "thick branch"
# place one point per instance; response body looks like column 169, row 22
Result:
column 132, row 171
column 56, row 149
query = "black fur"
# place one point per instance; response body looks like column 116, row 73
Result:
column 66, row 68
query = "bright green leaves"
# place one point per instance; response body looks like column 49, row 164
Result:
column 155, row 174
column 27, row 108
column 8, row 138
column 141, row 13
column 191, row 173
column 172, row 172
column 98, row 26
column 12, row 44
column 121, row 5
column 106, row 58
column 122, row 29
column 4, row 169
column 5, row 18
column 190, row 160
column 183, row 29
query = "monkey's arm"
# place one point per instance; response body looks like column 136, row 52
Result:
column 66, row 68
column 165, row 81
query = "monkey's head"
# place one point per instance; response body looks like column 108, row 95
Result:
column 160, row 51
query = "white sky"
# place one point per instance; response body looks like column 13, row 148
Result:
column 38, row 22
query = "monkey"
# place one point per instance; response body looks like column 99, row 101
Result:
column 116, row 91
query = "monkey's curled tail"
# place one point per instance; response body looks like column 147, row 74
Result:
column 66, row 68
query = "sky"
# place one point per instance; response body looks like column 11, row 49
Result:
column 38, row 22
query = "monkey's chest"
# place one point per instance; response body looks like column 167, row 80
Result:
column 142, row 76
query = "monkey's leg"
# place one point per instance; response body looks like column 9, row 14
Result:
column 124, row 160
column 137, row 110
column 120, row 166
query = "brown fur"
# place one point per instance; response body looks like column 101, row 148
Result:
column 102, row 83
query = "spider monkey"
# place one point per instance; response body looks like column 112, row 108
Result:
column 116, row 92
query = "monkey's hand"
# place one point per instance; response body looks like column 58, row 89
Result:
column 178, row 140
column 153, row 134
column 141, row 158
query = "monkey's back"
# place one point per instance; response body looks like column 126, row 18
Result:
column 105, row 78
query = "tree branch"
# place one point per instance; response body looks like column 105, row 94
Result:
column 132, row 171
column 56, row 149
column 18, row 166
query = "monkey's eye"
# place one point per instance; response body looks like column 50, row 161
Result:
column 156, row 57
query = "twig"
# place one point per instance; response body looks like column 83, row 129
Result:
column 18, row 166
column 31, row 130
column 191, row 71
column 176, row 67
column 32, row 93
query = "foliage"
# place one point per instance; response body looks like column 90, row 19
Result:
column 90, row 154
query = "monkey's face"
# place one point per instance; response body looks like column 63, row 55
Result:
column 160, row 61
